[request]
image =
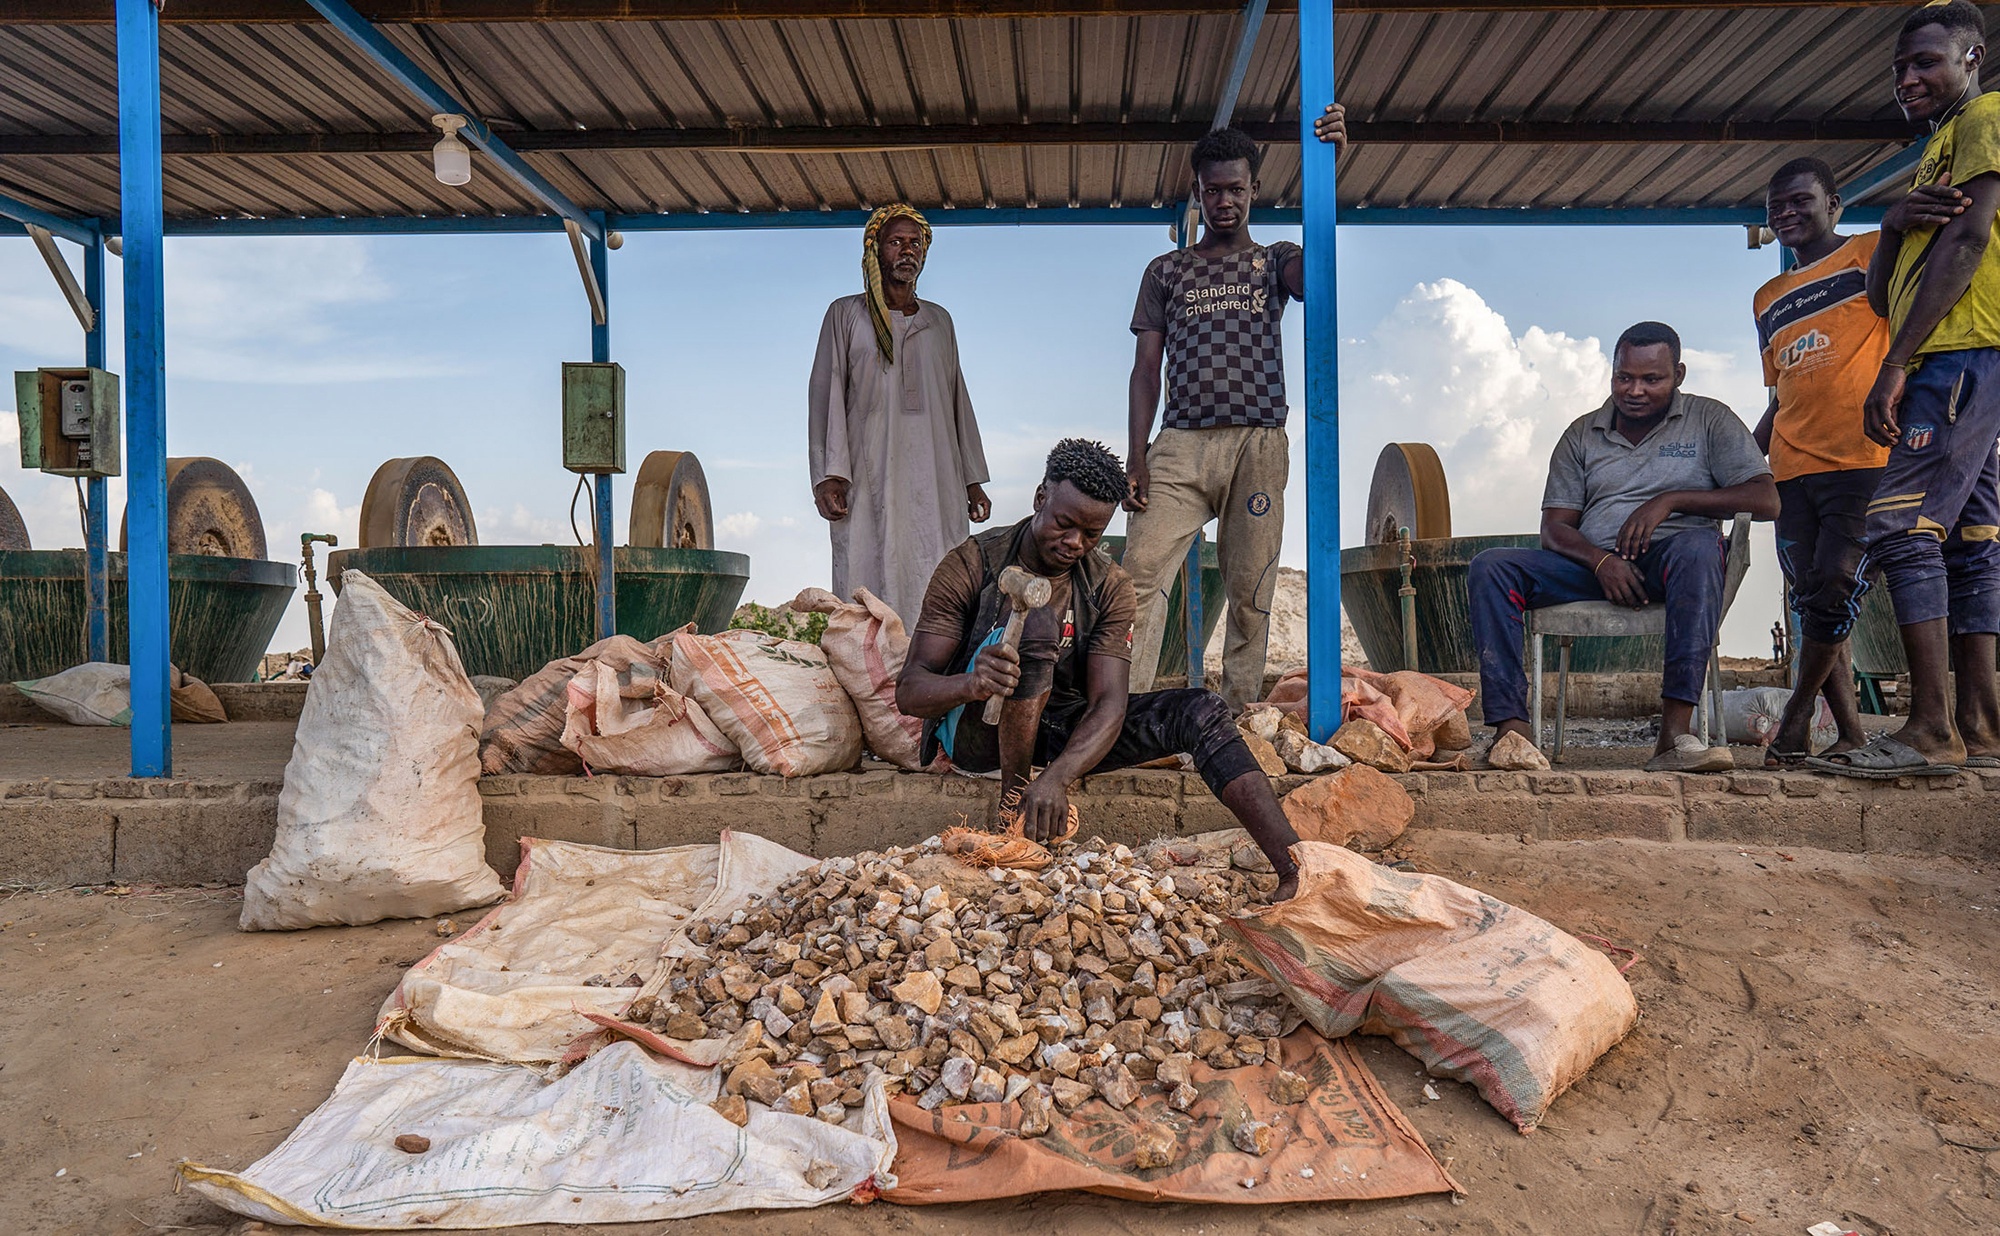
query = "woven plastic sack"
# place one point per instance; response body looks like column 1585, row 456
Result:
column 380, row 814
column 100, row 693
column 777, row 699
column 523, row 728
column 630, row 721
column 1477, row 989
column 865, row 645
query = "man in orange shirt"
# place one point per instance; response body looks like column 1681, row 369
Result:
column 1823, row 345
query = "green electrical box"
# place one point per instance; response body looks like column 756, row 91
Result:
column 69, row 421
column 593, row 404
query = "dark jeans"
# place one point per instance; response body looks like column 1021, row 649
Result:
column 1157, row 724
column 1820, row 521
column 1684, row 570
column 1931, row 529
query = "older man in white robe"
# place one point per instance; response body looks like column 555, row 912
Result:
column 897, row 466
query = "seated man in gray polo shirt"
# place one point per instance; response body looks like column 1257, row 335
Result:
column 1630, row 515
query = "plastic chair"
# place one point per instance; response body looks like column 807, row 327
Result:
column 1604, row 620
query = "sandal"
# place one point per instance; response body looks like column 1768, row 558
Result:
column 1883, row 759
column 1777, row 760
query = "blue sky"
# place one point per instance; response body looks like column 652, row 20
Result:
column 304, row 363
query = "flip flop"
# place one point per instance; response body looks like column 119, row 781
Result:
column 1982, row 761
column 1776, row 759
column 1883, row 759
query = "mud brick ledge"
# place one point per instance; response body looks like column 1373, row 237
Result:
column 60, row 833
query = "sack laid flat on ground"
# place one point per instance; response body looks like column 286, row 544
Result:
column 1349, row 1137
column 625, row 1138
column 515, row 986
column 777, row 699
column 100, row 693
column 380, row 813
column 1477, row 989
column 865, row 645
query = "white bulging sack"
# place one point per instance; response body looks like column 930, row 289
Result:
column 380, row 814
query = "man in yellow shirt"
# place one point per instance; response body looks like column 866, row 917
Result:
column 1823, row 345
column 1933, row 524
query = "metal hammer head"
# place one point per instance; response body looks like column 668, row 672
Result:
column 1024, row 588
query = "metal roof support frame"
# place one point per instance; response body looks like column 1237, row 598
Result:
column 599, row 271
column 56, row 225
column 1322, row 341
column 440, row 100
column 79, row 304
column 140, row 190
column 97, row 498
column 1896, row 169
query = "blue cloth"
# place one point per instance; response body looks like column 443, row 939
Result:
column 1931, row 529
column 1685, row 571
column 947, row 730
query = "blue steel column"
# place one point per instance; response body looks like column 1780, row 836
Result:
column 600, row 352
column 140, row 180
column 97, row 620
column 1322, row 340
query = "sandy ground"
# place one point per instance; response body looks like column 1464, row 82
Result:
column 1810, row 1048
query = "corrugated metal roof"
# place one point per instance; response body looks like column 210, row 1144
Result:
column 600, row 84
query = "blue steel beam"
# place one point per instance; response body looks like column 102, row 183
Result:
column 1896, row 169
column 1239, row 65
column 76, row 231
column 600, row 351
column 1322, row 341
column 440, row 100
column 1083, row 216
column 140, row 184
column 1225, row 108
column 97, row 498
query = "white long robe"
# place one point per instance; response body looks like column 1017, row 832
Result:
column 904, row 437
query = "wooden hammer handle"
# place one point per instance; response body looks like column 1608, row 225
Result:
column 1011, row 639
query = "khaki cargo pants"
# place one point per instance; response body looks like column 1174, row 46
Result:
column 1235, row 474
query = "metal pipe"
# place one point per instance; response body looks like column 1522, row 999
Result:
column 1322, row 368
column 97, row 497
column 306, row 540
column 600, row 351
column 1407, row 597
column 143, row 218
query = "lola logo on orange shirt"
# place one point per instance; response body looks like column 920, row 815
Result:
column 1802, row 347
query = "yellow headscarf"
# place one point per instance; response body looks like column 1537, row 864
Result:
column 871, row 271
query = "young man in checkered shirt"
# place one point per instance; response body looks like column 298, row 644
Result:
column 1211, row 314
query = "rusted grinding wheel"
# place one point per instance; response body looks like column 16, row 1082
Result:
column 1408, row 492
column 670, row 503
column 209, row 511
column 416, row 501
column 13, row 529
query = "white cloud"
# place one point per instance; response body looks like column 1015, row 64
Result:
column 1445, row 368
column 521, row 526
column 287, row 310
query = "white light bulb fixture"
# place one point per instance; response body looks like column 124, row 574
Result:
column 451, row 161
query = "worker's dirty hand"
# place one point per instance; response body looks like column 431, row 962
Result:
column 1622, row 582
column 1878, row 411
column 1044, row 810
column 978, row 507
column 1332, row 127
column 995, row 671
column 1137, row 481
column 830, row 496
column 1636, row 536
column 1926, row 206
